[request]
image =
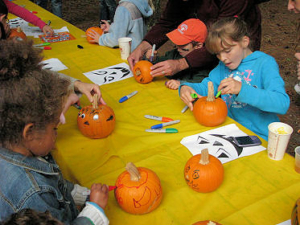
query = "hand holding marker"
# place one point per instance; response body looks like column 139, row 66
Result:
column 195, row 97
column 152, row 53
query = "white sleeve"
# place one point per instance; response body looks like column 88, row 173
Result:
column 95, row 213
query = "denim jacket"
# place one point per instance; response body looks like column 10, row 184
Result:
column 36, row 183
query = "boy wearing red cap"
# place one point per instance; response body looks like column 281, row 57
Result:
column 189, row 35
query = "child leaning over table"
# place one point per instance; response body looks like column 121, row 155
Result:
column 189, row 35
column 250, row 81
column 129, row 21
column 31, row 103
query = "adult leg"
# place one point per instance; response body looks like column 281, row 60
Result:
column 42, row 3
column 56, row 6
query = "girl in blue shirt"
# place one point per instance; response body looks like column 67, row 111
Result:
column 250, row 82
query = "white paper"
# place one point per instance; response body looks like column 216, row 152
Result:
column 218, row 143
column 53, row 65
column 109, row 74
column 288, row 222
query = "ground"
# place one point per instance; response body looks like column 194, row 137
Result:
column 279, row 39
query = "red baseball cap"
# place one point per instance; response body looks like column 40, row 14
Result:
column 188, row 31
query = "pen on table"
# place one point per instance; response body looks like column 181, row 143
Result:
column 152, row 53
column 163, row 119
column 195, row 97
column 45, row 48
column 158, row 126
column 43, row 44
column 167, row 130
column 88, row 192
column 123, row 99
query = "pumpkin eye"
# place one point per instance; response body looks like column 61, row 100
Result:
column 82, row 116
column 96, row 117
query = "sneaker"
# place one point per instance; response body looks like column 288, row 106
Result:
column 297, row 88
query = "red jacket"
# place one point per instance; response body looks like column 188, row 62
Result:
column 208, row 11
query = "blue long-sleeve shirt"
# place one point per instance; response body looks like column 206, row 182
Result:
column 262, row 94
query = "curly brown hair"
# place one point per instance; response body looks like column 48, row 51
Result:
column 28, row 94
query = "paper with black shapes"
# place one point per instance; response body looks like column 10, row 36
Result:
column 53, row 64
column 219, row 143
column 110, row 74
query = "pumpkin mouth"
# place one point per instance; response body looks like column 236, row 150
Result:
column 86, row 123
column 110, row 118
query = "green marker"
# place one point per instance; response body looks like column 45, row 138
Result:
column 43, row 44
column 167, row 130
column 218, row 94
column 194, row 95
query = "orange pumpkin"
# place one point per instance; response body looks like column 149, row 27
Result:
column 17, row 32
column 141, row 72
column 210, row 111
column 295, row 218
column 204, row 172
column 96, row 121
column 206, row 222
column 97, row 29
column 138, row 190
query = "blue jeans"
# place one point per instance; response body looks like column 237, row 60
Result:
column 107, row 9
column 55, row 5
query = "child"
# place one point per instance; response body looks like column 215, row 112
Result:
column 189, row 35
column 28, row 16
column 31, row 102
column 128, row 22
column 250, row 81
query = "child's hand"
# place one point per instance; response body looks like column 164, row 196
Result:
column 89, row 90
column 230, row 86
column 186, row 96
column 104, row 25
column 99, row 194
column 47, row 30
column 94, row 35
column 297, row 55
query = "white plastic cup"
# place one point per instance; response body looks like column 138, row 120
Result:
column 297, row 159
column 125, row 47
column 279, row 136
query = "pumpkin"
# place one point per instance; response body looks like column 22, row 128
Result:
column 204, row 172
column 97, row 29
column 17, row 32
column 141, row 72
column 138, row 190
column 209, row 111
column 96, row 121
column 206, row 222
column 295, row 218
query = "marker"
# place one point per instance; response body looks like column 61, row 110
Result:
column 43, row 44
column 49, row 22
column 167, row 130
column 123, row 99
column 77, row 106
column 163, row 119
column 219, row 93
column 152, row 54
column 45, row 48
column 158, row 126
column 88, row 192
column 195, row 97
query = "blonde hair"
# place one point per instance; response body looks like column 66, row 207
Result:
column 150, row 2
column 223, row 32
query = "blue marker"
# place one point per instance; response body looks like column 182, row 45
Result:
column 159, row 126
column 123, row 99
column 167, row 130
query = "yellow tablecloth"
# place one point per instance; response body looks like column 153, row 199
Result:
column 256, row 190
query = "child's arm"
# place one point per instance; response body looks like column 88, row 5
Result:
column 297, row 56
column 28, row 16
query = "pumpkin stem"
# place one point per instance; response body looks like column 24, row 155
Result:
column 19, row 29
column 133, row 171
column 204, row 157
column 210, row 95
column 95, row 102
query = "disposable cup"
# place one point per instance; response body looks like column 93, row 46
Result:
column 297, row 159
column 125, row 47
column 279, row 136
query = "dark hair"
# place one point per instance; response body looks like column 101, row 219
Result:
column 28, row 94
column 3, row 8
column 31, row 217
column 223, row 31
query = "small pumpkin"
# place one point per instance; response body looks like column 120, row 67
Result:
column 295, row 218
column 141, row 72
column 206, row 222
column 204, row 172
column 96, row 121
column 138, row 190
column 17, row 32
column 209, row 111
column 96, row 29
